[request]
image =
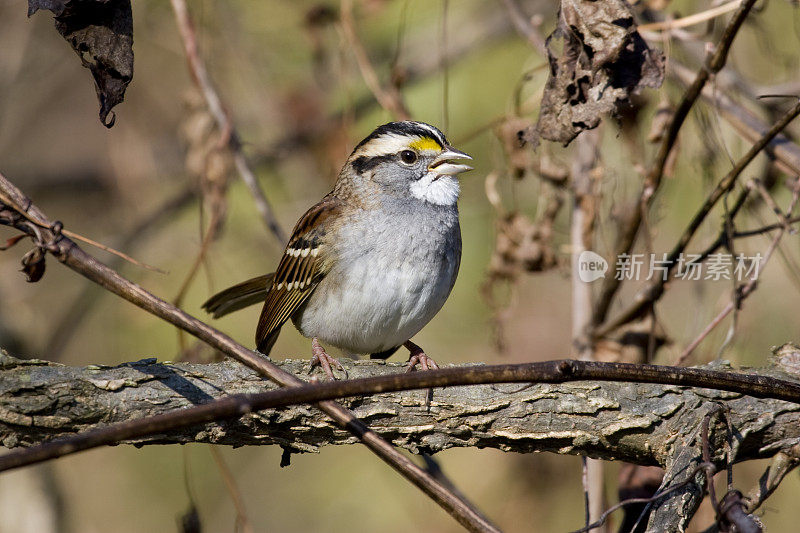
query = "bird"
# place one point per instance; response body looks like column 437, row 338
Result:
column 369, row 265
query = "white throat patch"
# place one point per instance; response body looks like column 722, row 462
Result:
column 436, row 189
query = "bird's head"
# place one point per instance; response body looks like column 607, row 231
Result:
column 410, row 159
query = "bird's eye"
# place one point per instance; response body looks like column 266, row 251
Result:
column 409, row 157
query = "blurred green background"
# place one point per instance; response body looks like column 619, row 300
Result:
column 261, row 55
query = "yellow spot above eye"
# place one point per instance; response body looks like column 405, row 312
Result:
column 425, row 143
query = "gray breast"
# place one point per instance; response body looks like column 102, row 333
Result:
column 393, row 271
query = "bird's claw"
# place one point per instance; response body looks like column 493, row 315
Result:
column 418, row 357
column 322, row 359
column 422, row 360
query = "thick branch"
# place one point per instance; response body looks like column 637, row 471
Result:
column 637, row 423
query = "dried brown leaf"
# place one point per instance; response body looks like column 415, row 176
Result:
column 101, row 33
column 33, row 265
column 597, row 61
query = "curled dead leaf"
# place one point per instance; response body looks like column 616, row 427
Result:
column 33, row 265
column 597, row 61
column 11, row 242
column 101, row 33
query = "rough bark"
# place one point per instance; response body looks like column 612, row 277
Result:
column 638, row 423
column 675, row 512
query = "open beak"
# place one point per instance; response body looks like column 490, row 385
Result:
column 443, row 165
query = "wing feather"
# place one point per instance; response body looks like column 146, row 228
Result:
column 301, row 268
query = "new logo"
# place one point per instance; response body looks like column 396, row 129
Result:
column 591, row 266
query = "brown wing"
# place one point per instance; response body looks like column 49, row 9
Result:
column 300, row 270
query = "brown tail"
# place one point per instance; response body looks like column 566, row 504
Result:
column 239, row 296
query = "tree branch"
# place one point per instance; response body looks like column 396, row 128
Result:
column 624, row 421
column 645, row 423
column 784, row 152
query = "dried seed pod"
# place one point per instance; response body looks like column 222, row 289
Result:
column 520, row 157
column 208, row 156
column 518, row 248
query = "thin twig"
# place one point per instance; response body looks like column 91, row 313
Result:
column 745, row 290
column 233, row 490
column 91, row 242
column 782, row 463
column 388, row 98
column 770, row 201
column 208, row 237
column 706, row 451
column 654, row 291
column 222, row 118
column 691, row 20
column 748, row 125
column 730, row 513
column 75, row 258
column 585, row 483
column 764, row 229
column 652, row 182
column 526, row 27
column 724, row 237
column 121, row 255
column 707, row 468
column 703, row 334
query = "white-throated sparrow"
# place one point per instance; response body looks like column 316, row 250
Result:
column 372, row 263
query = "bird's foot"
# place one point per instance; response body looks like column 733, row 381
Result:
column 418, row 357
column 321, row 358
